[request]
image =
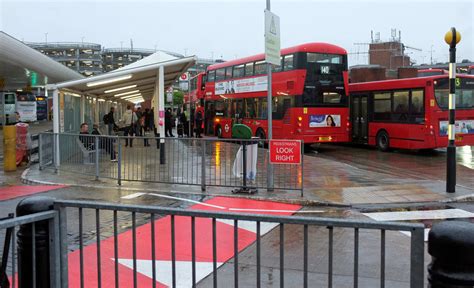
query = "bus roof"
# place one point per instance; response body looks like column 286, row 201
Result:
column 316, row 47
column 403, row 83
column 432, row 70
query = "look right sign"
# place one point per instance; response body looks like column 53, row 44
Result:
column 285, row 151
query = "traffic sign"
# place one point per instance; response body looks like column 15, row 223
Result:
column 285, row 151
column 272, row 38
column 184, row 77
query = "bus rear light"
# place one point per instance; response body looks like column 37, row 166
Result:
column 300, row 118
column 299, row 124
column 217, row 120
column 348, row 124
column 431, row 127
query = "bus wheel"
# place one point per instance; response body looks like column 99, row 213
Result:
column 383, row 141
column 261, row 134
column 219, row 131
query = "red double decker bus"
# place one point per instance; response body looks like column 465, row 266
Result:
column 309, row 98
column 411, row 113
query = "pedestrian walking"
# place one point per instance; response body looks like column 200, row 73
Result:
column 129, row 119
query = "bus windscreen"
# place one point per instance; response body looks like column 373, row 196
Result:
column 464, row 93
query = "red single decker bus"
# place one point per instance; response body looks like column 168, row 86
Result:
column 411, row 113
column 309, row 95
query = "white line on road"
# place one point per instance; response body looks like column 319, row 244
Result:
column 136, row 195
column 277, row 211
column 420, row 215
column 139, row 194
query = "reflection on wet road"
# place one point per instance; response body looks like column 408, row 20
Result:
column 404, row 164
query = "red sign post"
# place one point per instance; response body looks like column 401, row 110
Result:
column 285, row 151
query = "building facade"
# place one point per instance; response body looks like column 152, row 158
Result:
column 85, row 58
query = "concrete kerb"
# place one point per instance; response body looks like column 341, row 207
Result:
column 305, row 202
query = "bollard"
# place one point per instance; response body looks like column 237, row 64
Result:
column 9, row 148
column 28, row 206
column 451, row 246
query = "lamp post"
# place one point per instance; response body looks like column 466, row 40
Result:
column 452, row 38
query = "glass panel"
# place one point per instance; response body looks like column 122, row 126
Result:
column 260, row 67
column 251, row 108
column 211, row 76
column 220, row 74
column 324, row 58
column 239, row 71
column 288, row 62
column 417, row 113
column 382, row 106
column 331, row 98
column 464, row 93
column 278, row 68
column 262, row 108
column 249, row 69
column 400, row 106
column 228, row 72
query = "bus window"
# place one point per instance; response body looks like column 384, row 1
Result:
column 249, row 69
column 288, row 62
column 382, row 106
column 400, row 106
column 220, row 74
column 261, row 108
column 280, row 105
column 417, row 114
column 464, row 93
column 250, row 111
column 324, row 58
column 239, row 71
column 276, row 68
column 211, row 76
column 331, row 98
column 228, row 72
column 260, row 67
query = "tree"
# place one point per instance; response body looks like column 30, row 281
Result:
column 178, row 97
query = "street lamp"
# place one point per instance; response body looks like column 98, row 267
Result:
column 452, row 38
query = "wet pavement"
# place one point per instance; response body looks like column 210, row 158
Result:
column 334, row 175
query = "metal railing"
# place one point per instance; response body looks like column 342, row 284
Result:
column 23, row 254
column 93, row 217
column 186, row 161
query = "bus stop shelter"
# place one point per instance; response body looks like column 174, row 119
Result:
column 146, row 79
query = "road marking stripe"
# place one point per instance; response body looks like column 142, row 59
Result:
column 136, row 195
column 277, row 211
column 250, row 226
column 420, row 215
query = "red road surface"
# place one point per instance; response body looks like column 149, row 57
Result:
column 204, row 257
column 10, row 192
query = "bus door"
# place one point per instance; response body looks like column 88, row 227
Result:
column 359, row 118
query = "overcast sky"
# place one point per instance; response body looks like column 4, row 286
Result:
column 231, row 29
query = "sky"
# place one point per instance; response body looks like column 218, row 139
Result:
column 232, row 29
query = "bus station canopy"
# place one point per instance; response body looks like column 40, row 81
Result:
column 21, row 66
column 137, row 78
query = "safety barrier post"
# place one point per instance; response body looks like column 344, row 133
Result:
column 9, row 148
column 119, row 163
column 34, row 244
column 203, row 165
column 96, row 148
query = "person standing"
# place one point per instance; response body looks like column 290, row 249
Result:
column 198, row 125
column 106, row 143
column 168, row 123
column 129, row 119
column 110, row 121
